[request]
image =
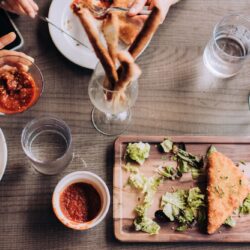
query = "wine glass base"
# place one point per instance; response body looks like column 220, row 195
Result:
column 109, row 124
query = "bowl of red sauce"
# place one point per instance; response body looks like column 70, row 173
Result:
column 81, row 200
column 21, row 84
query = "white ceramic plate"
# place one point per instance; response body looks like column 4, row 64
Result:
column 3, row 154
column 61, row 14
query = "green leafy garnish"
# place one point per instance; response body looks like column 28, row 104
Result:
column 137, row 180
column 173, row 203
column 167, row 172
column 196, row 173
column 182, row 228
column 183, row 206
column 167, row 145
column 183, row 167
column 186, row 162
column 211, row 150
column 147, row 187
column 245, row 207
column 145, row 224
column 230, row 222
column 131, row 168
column 138, row 152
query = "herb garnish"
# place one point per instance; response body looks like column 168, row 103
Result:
column 186, row 162
column 184, row 206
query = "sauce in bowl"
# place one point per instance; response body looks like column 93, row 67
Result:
column 18, row 91
column 80, row 202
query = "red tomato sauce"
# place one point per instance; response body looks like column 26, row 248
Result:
column 17, row 91
column 80, row 202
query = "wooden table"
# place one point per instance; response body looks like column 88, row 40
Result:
column 177, row 96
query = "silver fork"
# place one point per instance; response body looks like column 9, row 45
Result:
column 102, row 11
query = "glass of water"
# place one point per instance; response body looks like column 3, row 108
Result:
column 112, row 109
column 229, row 47
column 47, row 143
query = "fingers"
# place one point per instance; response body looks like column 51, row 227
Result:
column 7, row 39
column 18, row 57
column 34, row 5
column 12, row 6
column 163, row 6
column 140, row 18
column 136, row 7
column 30, row 7
column 11, row 66
column 21, row 7
column 10, row 59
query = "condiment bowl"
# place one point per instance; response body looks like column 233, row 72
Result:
column 21, row 64
column 81, row 177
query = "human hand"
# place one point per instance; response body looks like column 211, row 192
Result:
column 23, row 62
column 162, row 5
column 20, row 7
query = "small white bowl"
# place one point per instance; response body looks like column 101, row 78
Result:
column 85, row 177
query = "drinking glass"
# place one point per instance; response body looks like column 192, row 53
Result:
column 11, row 62
column 111, row 115
column 47, row 143
column 229, row 47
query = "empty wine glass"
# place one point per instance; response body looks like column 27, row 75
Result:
column 112, row 109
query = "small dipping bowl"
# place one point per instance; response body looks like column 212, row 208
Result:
column 22, row 64
column 87, row 178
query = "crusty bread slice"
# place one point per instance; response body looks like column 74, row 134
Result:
column 227, row 188
column 129, row 27
column 110, row 29
column 90, row 27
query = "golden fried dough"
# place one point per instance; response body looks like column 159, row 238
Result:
column 227, row 188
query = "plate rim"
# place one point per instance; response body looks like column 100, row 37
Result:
column 3, row 146
column 53, row 34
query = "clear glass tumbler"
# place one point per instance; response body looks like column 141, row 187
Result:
column 229, row 47
column 112, row 110
column 47, row 143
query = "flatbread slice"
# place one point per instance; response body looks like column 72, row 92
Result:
column 227, row 188
column 130, row 27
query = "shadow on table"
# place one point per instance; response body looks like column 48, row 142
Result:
column 41, row 223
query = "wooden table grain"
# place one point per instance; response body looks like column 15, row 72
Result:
column 177, row 96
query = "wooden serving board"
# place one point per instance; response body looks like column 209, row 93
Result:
column 125, row 198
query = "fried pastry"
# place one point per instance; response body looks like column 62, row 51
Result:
column 227, row 188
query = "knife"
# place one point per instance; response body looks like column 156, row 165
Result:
column 47, row 20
